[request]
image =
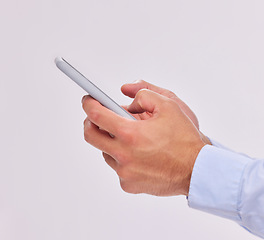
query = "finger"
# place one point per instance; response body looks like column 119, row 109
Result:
column 102, row 116
column 99, row 139
column 146, row 101
column 131, row 89
column 110, row 161
column 140, row 116
column 137, row 116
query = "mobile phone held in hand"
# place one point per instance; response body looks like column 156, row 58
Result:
column 91, row 88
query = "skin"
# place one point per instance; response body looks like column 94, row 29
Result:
column 154, row 155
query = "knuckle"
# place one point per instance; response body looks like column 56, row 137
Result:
column 168, row 104
column 141, row 81
column 123, row 173
column 127, row 187
column 93, row 114
column 124, row 185
column 87, row 131
column 85, row 122
column 171, row 94
column 122, row 158
column 87, row 136
column 142, row 92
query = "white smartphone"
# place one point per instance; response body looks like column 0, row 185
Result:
column 90, row 88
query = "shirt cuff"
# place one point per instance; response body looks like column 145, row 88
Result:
column 217, row 144
column 216, row 182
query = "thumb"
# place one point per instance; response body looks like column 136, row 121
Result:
column 131, row 89
column 146, row 101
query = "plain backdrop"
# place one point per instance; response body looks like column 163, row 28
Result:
column 53, row 185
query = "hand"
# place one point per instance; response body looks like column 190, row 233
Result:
column 131, row 89
column 153, row 156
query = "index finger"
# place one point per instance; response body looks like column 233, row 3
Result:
column 131, row 89
column 102, row 116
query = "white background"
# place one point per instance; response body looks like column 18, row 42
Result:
column 53, row 185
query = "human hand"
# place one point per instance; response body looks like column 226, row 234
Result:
column 153, row 156
column 131, row 89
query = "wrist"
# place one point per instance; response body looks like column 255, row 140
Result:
column 195, row 152
column 205, row 139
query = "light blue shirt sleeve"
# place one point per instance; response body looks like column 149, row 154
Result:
column 229, row 185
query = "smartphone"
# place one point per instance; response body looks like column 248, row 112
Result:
column 91, row 88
